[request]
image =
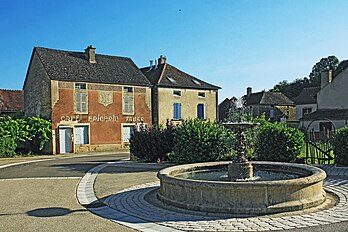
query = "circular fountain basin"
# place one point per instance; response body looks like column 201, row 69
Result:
column 302, row 190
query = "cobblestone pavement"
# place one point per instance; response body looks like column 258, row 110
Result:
column 129, row 207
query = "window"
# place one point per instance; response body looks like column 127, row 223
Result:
column 171, row 79
column 306, row 111
column 177, row 111
column 81, row 134
column 177, row 93
column 196, row 82
column 81, row 98
column 201, row 94
column 325, row 126
column 201, row 111
column 127, row 132
column 128, row 100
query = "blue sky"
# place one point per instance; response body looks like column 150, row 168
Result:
column 232, row 44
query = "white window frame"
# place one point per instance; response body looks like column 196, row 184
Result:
column 127, row 109
column 79, row 93
column 88, row 134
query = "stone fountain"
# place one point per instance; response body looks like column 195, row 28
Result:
column 240, row 193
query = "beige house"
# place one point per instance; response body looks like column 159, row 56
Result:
column 177, row 95
column 332, row 103
column 275, row 105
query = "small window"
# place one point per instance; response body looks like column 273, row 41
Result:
column 196, row 82
column 306, row 111
column 201, row 94
column 81, row 134
column 201, row 111
column 128, row 101
column 177, row 111
column 171, row 79
column 81, row 98
column 80, row 86
column 325, row 126
column 177, row 93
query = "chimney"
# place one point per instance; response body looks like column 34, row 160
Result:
column 156, row 64
column 162, row 60
column 151, row 62
column 249, row 91
column 326, row 78
column 90, row 54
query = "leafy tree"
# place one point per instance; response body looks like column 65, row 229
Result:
column 294, row 88
column 325, row 64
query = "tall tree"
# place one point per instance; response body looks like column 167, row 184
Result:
column 325, row 64
column 294, row 88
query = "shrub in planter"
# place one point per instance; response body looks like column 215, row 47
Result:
column 152, row 144
column 340, row 146
column 200, row 141
column 277, row 142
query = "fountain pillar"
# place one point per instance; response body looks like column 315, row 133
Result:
column 240, row 167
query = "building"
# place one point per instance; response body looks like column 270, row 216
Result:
column 93, row 100
column 332, row 103
column 275, row 105
column 11, row 102
column 177, row 95
column 306, row 102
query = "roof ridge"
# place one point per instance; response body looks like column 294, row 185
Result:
column 79, row 52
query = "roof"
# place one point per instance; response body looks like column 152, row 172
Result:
column 307, row 96
column 166, row 75
column 332, row 114
column 11, row 100
column 74, row 66
column 268, row 98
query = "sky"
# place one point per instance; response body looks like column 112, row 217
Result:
column 234, row 44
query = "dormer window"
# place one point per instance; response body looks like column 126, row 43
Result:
column 201, row 94
column 177, row 93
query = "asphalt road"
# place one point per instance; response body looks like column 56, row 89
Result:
column 46, row 199
column 59, row 167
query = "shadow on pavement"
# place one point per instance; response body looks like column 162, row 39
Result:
column 52, row 212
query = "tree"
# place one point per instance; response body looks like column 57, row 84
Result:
column 294, row 88
column 325, row 64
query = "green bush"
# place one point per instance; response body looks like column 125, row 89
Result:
column 152, row 144
column 340, row 146
column 277, row 142
column 19, row 130
column 7, row 147
column 199, row 141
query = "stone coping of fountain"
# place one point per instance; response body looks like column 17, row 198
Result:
column 253, row 197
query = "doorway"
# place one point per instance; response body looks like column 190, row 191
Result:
column 65, row 140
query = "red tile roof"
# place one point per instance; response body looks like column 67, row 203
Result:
column 11, row 100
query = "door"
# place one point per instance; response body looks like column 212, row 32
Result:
column 65, row 140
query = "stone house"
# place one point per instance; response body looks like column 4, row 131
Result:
column 275, row 105
column 306, row 102
column 94, row 101
column 11, row 102
column 332, row 103
column 177, row 95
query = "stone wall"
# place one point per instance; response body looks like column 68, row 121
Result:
column 37, row 97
